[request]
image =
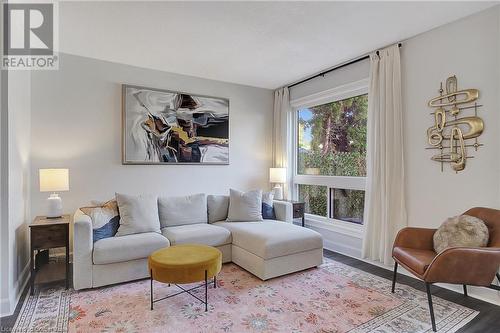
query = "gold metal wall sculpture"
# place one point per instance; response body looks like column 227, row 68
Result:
column 453, row 130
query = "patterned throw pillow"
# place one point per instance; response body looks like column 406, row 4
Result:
column 267, row 206
column 463, row 230
column 105, row 219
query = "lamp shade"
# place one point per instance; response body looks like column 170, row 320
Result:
column 277, row 175
column 54, row 180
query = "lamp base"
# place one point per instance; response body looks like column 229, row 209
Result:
column 54, row 206
column 278, row 192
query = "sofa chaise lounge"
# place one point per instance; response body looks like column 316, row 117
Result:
column 267, row 249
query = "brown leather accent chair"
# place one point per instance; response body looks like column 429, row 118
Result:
column 414, row 250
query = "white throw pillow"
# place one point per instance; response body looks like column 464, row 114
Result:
column 267, row 198
column 218, row 206
column 244, row 206
column 138, row 213
column 189, row 209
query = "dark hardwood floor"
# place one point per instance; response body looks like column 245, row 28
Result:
column 487, row 321
column 7, row 323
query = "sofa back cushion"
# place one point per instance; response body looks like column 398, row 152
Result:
column 189, row 209
column 218, row 206
column 138, row 213
column 244, row 206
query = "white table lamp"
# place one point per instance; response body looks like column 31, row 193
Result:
column 54, row 180
column 278, row 177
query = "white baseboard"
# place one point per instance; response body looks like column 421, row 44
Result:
column 5, row 307
column 8, row 305
column 342, row 249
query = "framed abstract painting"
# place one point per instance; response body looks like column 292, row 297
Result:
column 168, row 127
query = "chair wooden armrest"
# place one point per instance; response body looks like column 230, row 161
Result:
column 464, row 265
column 415, row 238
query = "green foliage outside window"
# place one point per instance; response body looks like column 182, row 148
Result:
column 332, row 142
column 315, row 199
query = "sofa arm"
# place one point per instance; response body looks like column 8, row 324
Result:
column 82, row 251
column 283, row 211
column 415, row 238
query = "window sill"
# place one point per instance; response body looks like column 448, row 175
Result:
column 341, row 227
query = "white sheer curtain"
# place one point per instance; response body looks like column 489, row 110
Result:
column 282, row 135
column 385, row 212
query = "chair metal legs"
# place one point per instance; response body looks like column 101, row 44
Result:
column 394, row 276
column 429, row 295
column 206, row 291
column 431, row 308
column 151, row 280
column 183, row 290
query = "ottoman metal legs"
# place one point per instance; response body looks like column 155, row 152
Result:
column 184, row 291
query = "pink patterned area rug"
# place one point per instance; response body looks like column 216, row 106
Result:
column 332, row 298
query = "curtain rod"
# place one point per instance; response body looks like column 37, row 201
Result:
column 334, row 68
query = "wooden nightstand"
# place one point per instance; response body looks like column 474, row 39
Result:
column 46, row 234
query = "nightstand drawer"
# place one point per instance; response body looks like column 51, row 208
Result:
column 44, row 237
column 298, row 211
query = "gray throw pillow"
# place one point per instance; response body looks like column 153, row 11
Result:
column 218, row 206
column 138, row 213
column 463, row 230
column 188, row 209
column 244, row 206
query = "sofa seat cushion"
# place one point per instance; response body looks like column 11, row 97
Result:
column 271, row 239
column 417, row 260
column 201, row 233
column 126, row 248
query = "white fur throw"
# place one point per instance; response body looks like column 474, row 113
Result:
column 463, row 230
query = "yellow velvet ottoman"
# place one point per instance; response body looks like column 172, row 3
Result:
column 186, row 263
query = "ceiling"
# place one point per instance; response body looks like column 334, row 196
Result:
column 262, row 44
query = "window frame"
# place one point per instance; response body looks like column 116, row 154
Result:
column 345, row 91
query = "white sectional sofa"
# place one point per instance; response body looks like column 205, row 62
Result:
column 267, row 249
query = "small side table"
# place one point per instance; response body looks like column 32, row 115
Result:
column 298, row 209
column 47, row 233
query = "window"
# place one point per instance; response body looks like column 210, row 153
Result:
column 347, row 205
column 330, row 155
column 315, row 199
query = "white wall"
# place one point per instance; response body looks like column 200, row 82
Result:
column 426, row 60
column 4, row 202
column 470, row 49
column 344, row 75
column 17, row 190
column 76, row 123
